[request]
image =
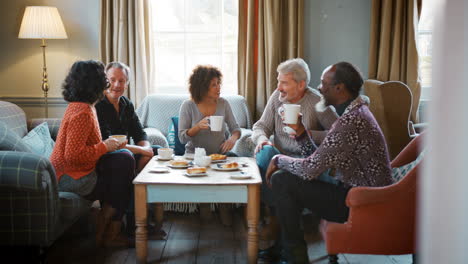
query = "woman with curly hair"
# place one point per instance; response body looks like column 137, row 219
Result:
column 205, row 101
column 194, row 129
column 78, row 156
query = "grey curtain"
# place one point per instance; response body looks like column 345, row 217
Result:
column 392, row 54
column 125, row 37
column 270, row 32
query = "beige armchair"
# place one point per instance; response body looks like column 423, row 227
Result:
column 391, row 103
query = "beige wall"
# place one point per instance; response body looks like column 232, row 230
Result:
column 21, row 63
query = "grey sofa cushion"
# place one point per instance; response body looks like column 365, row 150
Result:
column 72, row 206
column 10, row 140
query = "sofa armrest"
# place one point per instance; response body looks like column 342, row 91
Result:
column 53, row 124
column 244, row 146
column 29, row 209
column 156, row 137
column 24, row 171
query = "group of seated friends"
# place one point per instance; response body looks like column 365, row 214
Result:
column 336, row 145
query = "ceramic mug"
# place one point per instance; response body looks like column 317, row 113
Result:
column 216, row 123
column 165, row 153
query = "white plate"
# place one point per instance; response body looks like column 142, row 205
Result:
column 178, row 166
column 218, row 167
column 240, row 176
column 189, row 156
column 161, row 159
column 159, row 169
column 218, row 161
column 196, row 174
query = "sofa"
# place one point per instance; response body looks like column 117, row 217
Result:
column 32, row 210
column 156, row 111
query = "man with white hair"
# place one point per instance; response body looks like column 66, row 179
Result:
column 293, row 80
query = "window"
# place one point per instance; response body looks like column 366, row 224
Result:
column 187, row 33
column 424, row 36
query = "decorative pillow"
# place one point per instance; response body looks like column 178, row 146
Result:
column 39, row 140
column 9, row 140
column 400, row 172
column 171, row 136
column 179, row 148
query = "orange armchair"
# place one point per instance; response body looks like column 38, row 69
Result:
column 382, row 220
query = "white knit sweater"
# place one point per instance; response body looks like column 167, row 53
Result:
column 271, row 124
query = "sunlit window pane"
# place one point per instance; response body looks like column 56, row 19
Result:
column 204, row 15
column 169, row 60
column 187, row 33
column 424, row 40
column 167, row 15
column 203, row 49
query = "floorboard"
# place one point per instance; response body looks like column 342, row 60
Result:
column 191, row 240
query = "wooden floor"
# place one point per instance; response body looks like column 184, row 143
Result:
column 191, row 240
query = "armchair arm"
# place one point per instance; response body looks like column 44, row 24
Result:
column 156, row 137
column 24, row 171
column 244, row 146
column 367, row 196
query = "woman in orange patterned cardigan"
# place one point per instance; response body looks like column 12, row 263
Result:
column 78, row 153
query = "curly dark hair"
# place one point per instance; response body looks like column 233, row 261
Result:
column 85, row 82
column 199, row 81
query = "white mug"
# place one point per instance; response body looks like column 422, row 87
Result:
column 120, row 138
column 291, row 113
column 199, row 152
column 216, row 123
column 165, row 153
column 202, row 161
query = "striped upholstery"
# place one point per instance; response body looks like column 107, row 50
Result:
column 32, row 211
column 28, row 200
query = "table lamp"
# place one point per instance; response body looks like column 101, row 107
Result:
column 42, row 22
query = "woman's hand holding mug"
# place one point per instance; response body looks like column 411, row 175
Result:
column 204, row 124
column 112, row 144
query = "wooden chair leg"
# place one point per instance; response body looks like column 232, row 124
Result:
column 333, row 259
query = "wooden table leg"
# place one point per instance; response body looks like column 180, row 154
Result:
column 141, row 217
column 158, row 214
column 253, row 213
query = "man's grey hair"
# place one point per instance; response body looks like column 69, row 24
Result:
column 297, row 67
column 122, row 66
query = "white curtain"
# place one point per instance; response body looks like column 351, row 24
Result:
column 443, row 233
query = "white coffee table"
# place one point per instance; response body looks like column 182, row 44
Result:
column 217, row 187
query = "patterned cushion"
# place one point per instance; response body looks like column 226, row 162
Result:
column 10, row 140
column 179, row 148
column 400, row 172
column 171, row 136
column 39, row 140
column 53, row 123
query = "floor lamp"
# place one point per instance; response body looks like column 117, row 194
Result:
column 42, row 22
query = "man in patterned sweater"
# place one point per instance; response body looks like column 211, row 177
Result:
column 293, row 78
column 355, row 147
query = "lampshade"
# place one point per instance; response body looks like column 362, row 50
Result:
column 42, row 22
